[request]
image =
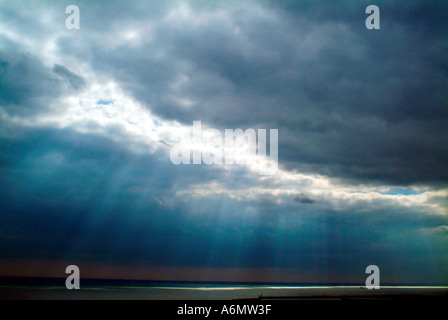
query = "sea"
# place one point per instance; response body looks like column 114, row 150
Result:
column 29, row 288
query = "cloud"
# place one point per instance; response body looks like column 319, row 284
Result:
column 346, row 100
column 301, row 198
column 73, row 80
column 27, row 86
column 442, row 230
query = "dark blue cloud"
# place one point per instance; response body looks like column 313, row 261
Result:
column 350, row 103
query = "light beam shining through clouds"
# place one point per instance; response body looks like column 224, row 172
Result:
column 87, row 116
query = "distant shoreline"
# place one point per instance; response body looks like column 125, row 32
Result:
column 45, row 281
column 18, row 288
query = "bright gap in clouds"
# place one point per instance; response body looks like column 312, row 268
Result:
column 104, row 108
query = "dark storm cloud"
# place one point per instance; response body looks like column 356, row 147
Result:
column 28, row 87
column 366, row 106
column 301, row 198
column 74, row 80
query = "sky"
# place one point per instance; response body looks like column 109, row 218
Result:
column 87, row 116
